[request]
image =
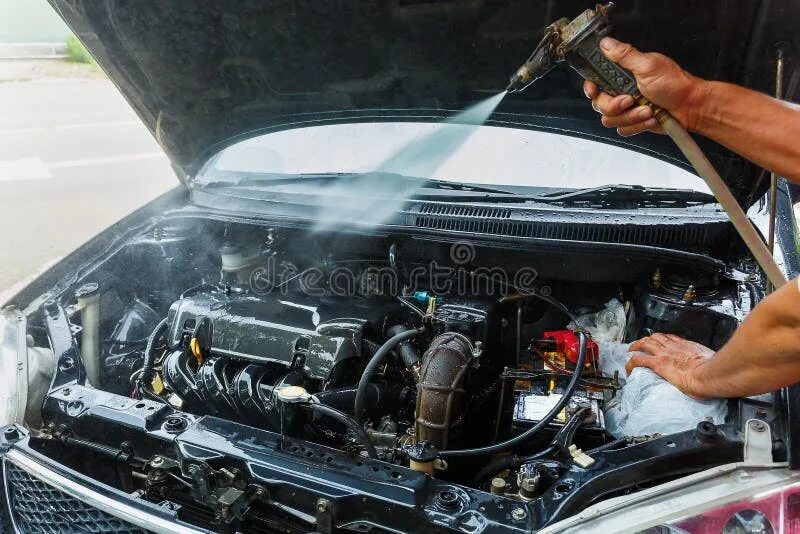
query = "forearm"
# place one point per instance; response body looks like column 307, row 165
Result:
column 763, row 354
column 760, row 128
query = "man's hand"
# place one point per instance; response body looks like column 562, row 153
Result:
column 673, row 358
column 662, row 81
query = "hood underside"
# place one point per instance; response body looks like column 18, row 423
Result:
column 203, row 74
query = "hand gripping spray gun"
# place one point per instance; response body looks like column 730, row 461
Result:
column 577, row 43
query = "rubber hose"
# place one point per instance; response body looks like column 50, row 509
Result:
column 350, row 423
column 149, row 361
column 707, row 172
column 374, row 363
column 344, row 398
column 535, row 429
column 507, row 462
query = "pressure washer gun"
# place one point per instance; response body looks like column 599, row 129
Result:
column 577, row 43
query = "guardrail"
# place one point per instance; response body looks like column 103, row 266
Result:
column 33, row 50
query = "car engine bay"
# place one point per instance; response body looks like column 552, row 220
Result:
column 483, row 377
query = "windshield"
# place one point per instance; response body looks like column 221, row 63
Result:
column 484, row 155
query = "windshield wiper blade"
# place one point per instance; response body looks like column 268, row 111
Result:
column 268, row 179
column 628, row 195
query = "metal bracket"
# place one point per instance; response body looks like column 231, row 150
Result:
column 757, row 443
column 324, row 516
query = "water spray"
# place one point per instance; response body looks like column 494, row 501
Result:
column 577, row 43
column 416, row 161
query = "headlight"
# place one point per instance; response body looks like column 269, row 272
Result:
column 741, row 498
column 25, row 371
column 775, row 511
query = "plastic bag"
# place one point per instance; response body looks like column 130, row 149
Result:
column 648, row 404
column 606, row 325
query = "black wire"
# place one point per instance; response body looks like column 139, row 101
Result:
column 411, row 306
column 350, row 423
column 554, row 411
column 610, row 445
column 374, row 363
column 560, row 306
column 149, row 361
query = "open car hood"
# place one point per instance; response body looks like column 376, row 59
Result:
column 204, row 74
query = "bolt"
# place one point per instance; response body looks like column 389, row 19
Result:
column 761, row 412
column 518, row 514
column 758, row 426
column 11, row 434
column 690, row 295
column 67, row 391
column 158, row 461
column 67, row 363
column 447, row 500
column 529, row 484
column 175, row 424
column 322, row 505
column 706, row 431
column 498, row 486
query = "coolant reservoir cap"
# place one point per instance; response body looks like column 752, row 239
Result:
column 87, row 290
column 293, row 394
column 424, row 451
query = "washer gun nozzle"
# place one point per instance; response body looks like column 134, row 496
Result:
column 577, row 42
column 542, row 60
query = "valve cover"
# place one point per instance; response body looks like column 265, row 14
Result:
column 277, row 328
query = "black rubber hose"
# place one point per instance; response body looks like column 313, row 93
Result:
column 409, row 354
column 374, row 363
column 344, row 398
column 149, row 360
column 507, row 462
column 554, row 411
column 350, row 423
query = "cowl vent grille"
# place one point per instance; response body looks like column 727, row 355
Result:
column 682, row 236
column 465, row 211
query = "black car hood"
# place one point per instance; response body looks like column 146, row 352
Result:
column 204, row 74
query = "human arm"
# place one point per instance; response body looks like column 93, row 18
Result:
column 761, row 356
column 760, row 128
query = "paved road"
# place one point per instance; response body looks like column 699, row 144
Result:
column 74, row 158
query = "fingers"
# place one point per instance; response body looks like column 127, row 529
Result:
column 647, row 126
column 590, row 89
column 626, row 55
column 618, row 111
column 639, row 359
column 631, row 117
column 648, row 345
column 612, row 105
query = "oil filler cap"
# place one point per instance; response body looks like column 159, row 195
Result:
column 293, row 394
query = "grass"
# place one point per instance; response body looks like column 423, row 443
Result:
column 76, row 52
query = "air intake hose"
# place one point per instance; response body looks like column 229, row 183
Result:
column 440, row 392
